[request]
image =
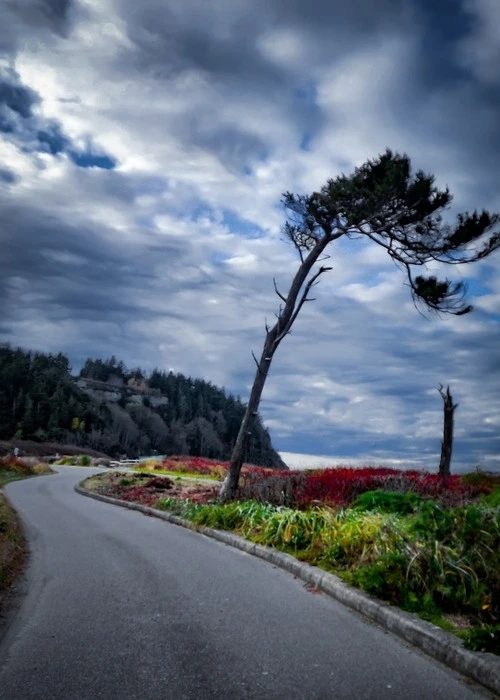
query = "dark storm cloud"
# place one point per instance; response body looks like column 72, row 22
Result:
column 224, row 44
column 54, row 14
column 68, row 269
column 222, row 40
column 440, row 101
column 26, row 21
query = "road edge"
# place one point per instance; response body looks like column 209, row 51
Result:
column 434, row 641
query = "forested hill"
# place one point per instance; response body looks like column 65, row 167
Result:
column 119, row 411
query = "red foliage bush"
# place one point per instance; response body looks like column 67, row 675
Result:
column 13, row 464
column 336, row 486
column 340, row 486
column 137, row 494
column 194, row 465
column 205, row 467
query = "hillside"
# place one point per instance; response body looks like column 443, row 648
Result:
column 117, row 411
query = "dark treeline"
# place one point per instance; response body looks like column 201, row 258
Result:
column 119, row 411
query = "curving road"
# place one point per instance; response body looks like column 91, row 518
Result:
column 123, row 606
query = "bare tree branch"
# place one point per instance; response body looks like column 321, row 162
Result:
column 277, row 292
column 303, row 299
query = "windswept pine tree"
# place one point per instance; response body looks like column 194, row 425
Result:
column 401, row 212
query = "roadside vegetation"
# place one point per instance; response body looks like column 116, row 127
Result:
column 425, row 543
column 12, row 548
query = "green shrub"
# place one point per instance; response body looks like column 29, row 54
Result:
column 485, row 638
column 65, row 461
column 482, row 479
column 387, row 502
column 455, row 557
column 84, row 460
column 491, row 499
column 289, row 528
column 361, row 538
column 243, row 516
column 385, row 578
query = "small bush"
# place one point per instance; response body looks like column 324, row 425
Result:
column 492, row 499
column 481, row 479
column 66, row 461
column 387, row 502
column 278, row 488
column 84, row 460
column 194, row 465
column 160, row 483
column 485, row 638
column 17, row 465
column 287, row 528
column 385, row 578
column 150, row 464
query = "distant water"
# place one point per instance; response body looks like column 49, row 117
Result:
column 298, row 461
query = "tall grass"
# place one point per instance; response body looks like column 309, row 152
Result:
column 436, row 558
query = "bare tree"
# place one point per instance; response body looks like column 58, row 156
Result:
column 399, row 211
column 447, row 441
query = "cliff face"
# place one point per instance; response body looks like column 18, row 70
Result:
column 187, row 417
column 114, row 392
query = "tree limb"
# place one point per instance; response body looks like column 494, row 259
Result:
column 277, row 292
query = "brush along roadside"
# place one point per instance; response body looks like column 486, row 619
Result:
column 12, row 545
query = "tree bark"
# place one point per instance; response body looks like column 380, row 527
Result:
column 447, row 441
column 230, row 484
column 293, row 302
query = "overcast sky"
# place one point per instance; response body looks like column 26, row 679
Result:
column 144, row 148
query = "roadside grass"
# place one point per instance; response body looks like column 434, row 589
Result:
column 178, row 474
column 12, row 546
column 431, row 548
column 74, row 461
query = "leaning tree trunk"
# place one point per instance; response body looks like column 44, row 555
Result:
column 230, row 485
column 293, row 303
column 447, row 441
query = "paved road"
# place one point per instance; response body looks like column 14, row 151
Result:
column 127, row 607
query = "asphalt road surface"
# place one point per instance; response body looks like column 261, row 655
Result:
column 118, row 605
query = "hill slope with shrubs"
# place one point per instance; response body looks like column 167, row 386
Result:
column 117, row 411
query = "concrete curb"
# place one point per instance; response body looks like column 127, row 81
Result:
column 441, row 645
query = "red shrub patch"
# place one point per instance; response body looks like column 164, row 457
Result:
column 205, row 467
column 340, row 486
column 194, row 465
column 13, row 464
column 336, row 486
